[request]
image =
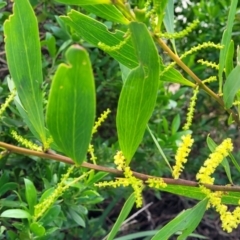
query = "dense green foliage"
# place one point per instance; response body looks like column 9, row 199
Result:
column 76, row 60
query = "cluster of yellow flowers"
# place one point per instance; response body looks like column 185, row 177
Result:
column 182, row 154
column 131, row 180
column 156, row 183
column 230, row 220
column 215, row 158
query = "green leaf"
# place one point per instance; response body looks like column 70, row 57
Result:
column 107, row 11
column 122, row 216
column 84, row 2
column 8, row 187
column 50, row 43
column 186, row 222
column 174, row 76
column 95, row 32
column 50, row 215
column 71, row 105
column 16, row 213
column 212, row 145
column 159, row 148
column 37, row 229
column 2, row 4
column 24, row 61
column 229, row 58
column 231, row 86
column 31, row 195
column 77, row 218
column 138, row 96
column 175, row 124
column 169, row 20
column 4, row 178
column 226, row 39
column 195, row 193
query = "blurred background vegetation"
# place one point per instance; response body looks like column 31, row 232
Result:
column 98, row 212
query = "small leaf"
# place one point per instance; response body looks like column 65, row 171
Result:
column 186, row 222
column 229, row 58
column 175, row 124
column 174, row 76
column 37, row 229
column 16, row 213
column 77, row 218
column 231, row 86
column 138, row 96
column 122, row 216
column 24, row 61
column 71, row 105
column 31, row 195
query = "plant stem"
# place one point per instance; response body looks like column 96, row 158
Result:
column 144, row 177
column 181, row 64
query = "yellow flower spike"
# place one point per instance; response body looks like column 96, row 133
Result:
column 191, row 51
column 7, row 102
column 105, row 47
column 182, row 154
column 191, row 109
column 129, row 179
column 156, row 183
column 210, row 79
column 209, row 64
column 46, row 145
column 181, row 34
column 25, row 142
column 42, row 207
column 91, row 152
column 100, row 120
column 136, row 184
column 119, row 160
column 213, row 161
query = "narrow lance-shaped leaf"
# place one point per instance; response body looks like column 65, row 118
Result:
column 186, row 222
column 196, row 193
column 169, row 20
column 226, row 39
column 71, row 106
column 24, row 62
column 139, row 92
column 231, row 86
column 122, row 216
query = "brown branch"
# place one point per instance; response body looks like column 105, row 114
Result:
column 181, row 64
column 144, row 177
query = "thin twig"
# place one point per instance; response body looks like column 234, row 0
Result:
column 144, row 177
